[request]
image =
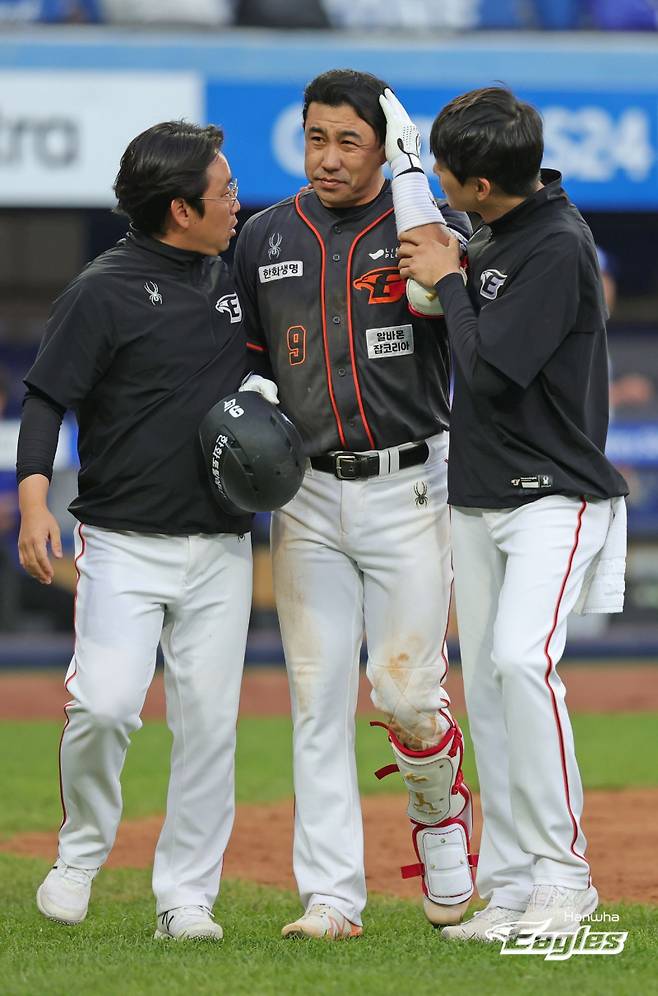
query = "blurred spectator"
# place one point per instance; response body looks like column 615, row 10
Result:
column 8, row 513
column 632, row 393
column 625, row 15
column 24, row 603
column 196, row 13
column 49, row 11
column 70, row 11
column 403, row 14
column 281, row 14
column 559, row 15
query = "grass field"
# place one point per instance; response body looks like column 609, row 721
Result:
column 113, row 951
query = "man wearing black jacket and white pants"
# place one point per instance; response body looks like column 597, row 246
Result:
column 140, row 346
column 537, row 508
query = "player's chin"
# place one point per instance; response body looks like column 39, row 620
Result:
column 333, row 191
column 226, row 241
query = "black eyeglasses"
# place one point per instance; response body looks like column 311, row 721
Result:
column 231, row 194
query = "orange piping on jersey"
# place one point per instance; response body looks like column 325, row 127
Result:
column 324, row 321
column 257, row 349
column 355, row 375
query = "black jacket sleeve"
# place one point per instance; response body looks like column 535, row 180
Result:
column 244, row 275
column 39, row 432
column 77, row 346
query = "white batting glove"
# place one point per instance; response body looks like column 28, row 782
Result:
column 402, row 137
column 412, row 198
column 261, row 385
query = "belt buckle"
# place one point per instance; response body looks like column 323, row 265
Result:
column 346, row 464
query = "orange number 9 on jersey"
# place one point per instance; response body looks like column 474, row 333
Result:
column 296, row 344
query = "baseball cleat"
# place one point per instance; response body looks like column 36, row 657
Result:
column 64, row 893
column 188, row 923
column 479, row 925
column 440, row 915
column 322, row 921
column 556, row 909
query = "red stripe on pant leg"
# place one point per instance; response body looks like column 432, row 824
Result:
column 72, row 676
column 549, row 669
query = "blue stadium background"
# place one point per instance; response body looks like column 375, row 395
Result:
column 73, row 93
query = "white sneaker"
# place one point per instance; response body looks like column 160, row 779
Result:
column 476, row 929
column 556, row 909
column 321, row 920
column 188, row 923
column 64, row 893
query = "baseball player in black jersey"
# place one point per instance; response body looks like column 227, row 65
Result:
column 140, row 346
column 365, row 543
column 538, row 514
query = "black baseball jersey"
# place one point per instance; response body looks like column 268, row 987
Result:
column 140, row 346
column 538, row 313
column 323, row 297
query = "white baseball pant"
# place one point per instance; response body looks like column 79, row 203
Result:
column 518, row 574
column 349, row 555
column 193, row 594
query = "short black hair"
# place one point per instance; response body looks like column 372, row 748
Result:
column 492, row 134
column 166, row 161
column 348, row 86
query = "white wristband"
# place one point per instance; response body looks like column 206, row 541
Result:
column 413, row 202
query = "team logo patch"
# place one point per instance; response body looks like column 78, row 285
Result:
column 230, row 305
column 490, row 283
column 534, row 481
column 384, row 253
column 278, row 271
column 422, row 498
column 394, row 340
column 151, row 288
column 384, row 285
column 274, row 243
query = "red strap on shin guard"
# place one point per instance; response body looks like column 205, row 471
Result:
column 388, row 769
column 412, row 871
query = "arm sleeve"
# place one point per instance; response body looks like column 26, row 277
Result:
column 244, row 275
column 38, row 435
column 533, row 312
column 77, row 346
column 457, row 221
column 462, row 323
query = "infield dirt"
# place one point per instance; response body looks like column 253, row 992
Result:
column 621, row 851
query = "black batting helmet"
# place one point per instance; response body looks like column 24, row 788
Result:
column 253, row 454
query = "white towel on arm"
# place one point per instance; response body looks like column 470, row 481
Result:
column 603, row 587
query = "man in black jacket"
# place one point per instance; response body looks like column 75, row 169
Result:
column 365, row 543
column 140, row 346
column 537, row 509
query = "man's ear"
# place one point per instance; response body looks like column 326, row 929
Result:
column 482, row 188
column 180, row 212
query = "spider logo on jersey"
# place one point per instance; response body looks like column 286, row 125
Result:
column 230, row 305
column 420, row 491
column 274, row 243
column 384, row 285
column 151, row 288
column 490, row 283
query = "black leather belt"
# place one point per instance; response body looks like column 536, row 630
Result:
column 357, row 466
